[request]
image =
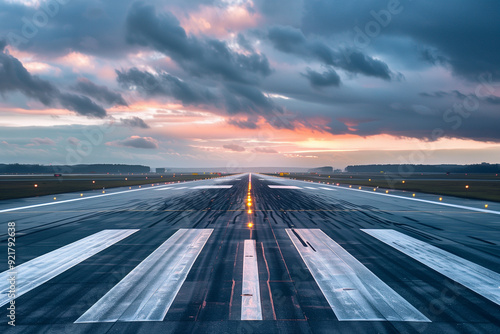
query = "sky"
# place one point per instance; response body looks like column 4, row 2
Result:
column 241, row 83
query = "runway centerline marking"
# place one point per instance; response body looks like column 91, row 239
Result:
column 473, row 276
column 251, row 308
column 283, row 187
column 351, row 289
column 149, row 290
column 36, row 272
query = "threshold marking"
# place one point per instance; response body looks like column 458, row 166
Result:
column 149, row 290
column 36, row 272
column 473, row 276
column 351, row 289
column 251, row 308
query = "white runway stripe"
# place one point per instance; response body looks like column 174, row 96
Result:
column 479, row 279
column 166, row 188
column 177, row 188
column 351, row 289
column 283, row 187
column 251, row 308
column 213, row 187
column 149, row 290
column 325, row 188
column 43, row 268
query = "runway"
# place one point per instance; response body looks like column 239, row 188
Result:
column 251, row 253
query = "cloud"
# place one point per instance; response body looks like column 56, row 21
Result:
column 165, row 84
column 134, row 122
column 248, row 99
column 234, row 147
column 81, row 105
column 235, row 97
column 100, row 93
column 461, row 35
column 490, row 99
column 265, row 150
column 243, row 124
column 292, row 40
column 43, row 141
column 325, row 79
column 136, row 142
column 15, row 77
column 199, row 57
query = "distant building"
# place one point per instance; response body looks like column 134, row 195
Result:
column 160, row 170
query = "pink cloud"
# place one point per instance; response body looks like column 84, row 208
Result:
column 42, row 141
column 219, row 22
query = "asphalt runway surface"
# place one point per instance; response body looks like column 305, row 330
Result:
column 252, row 254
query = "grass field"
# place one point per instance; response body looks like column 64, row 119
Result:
column 24, row 186
column 480, row 186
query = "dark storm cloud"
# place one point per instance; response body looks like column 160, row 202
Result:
column 91, row 27
column 462, row 34
column 490, row 99
column 234, row 147
column 134, row 122
column 136, row 142
column 279, row 12
column 245, row 43
column 165, row 84
column 200, row 57
column 249, row 99
column 15, row 77
column 81, row 105
column 325, row 79
column 292, row 40
column 236, row 97
column 100, row 93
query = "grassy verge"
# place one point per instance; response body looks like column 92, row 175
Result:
column 479, row 186
column 24, row 186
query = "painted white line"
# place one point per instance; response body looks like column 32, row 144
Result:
column 166, row 188
column 75, row 199
column 43, row 268
column 422, row 200
column 479, row 279
column 324, row 188
column 283, row 187
column 69, row 200
column 351, row 289
column 312, row 188
column 149, row 290
column 213, row 187
column 251, row 308
column 178, row 188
